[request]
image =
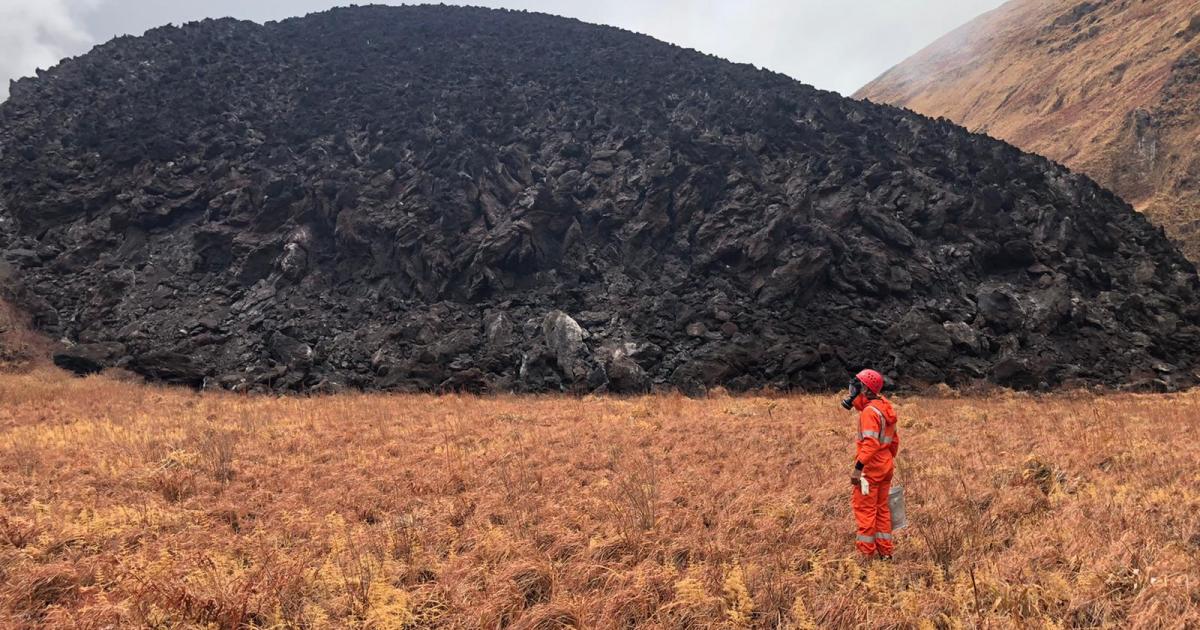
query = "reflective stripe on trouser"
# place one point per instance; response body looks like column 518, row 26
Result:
column 874, row 519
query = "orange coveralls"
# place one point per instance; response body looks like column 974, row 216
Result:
column 877, row 443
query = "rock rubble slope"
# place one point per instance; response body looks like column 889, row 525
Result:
column 449, row 198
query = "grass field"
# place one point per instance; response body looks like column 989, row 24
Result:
column 126, row 505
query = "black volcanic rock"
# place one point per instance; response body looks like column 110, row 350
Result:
column 89, row 358
column 428, row 198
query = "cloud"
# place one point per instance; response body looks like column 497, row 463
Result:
column 37, row 34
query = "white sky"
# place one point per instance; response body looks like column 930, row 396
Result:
column 837, row 45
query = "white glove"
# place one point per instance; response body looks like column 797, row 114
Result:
column 864, row 486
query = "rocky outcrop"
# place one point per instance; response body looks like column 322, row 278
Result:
column 89, row 358
column 435, row 198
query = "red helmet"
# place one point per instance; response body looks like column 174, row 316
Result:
column 872, row 379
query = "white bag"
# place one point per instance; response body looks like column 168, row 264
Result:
column 896, row 505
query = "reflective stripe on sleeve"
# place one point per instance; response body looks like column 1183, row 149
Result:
column 866, row 434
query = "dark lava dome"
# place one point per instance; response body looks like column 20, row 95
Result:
column 451, row 198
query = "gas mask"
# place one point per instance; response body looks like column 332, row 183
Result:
column 856, row 388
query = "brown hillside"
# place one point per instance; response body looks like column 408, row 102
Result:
column 1111, row 88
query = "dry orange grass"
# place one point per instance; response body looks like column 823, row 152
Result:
column 132, row 506
column 21, row 349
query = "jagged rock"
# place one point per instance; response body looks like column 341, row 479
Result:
column 23, row 257
column 962, row 335
column 564, row 338
column 471, row 380
column 801, row 359
column 294, row 262
column 498, row 329
column 624, row 374
column 600, row 168
column 291, row 352
column 89, row 358
column 169, row 367
column 538, row 372
column 1017, row 373
column 923, row 338
column 306, row 205
column 695, row 377
column 1000, row 310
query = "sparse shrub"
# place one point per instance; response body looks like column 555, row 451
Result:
column 175, row 477
column 637, row 493
column 739, row 606
column 175, row 485
column 801, row 619
column 534, row 584
column 548, row 617
column 23, row 455
column 18, row 532
column 43, row 586
column 218, row 447
column 519, row 588
column 388, row 606
column 1045, row 477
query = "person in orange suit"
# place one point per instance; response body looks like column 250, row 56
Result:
column 877, row 443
